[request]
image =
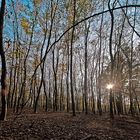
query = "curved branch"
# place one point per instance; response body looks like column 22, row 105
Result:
column 87, row 18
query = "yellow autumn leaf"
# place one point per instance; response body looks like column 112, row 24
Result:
column 37, row 2
column 25, row 24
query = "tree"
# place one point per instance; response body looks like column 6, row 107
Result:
column 111, row 58
column 71, row 59
column 3, row 74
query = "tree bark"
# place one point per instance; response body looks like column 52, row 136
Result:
column 3, row 61
column 71, row 61
column 111, row 58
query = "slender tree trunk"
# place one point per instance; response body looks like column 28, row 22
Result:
column 10, row 79
column 86, row 66
column 55, row 68
column 46, row 96
column 93, row 96
column 111, row 58
column 67, row 79
column 99, row 105
column 49, row 88
column 3, row 75
column 61, row 86
column 71, row 60
column 130, row 67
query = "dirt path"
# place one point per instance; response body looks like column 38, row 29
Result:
column 62, row 126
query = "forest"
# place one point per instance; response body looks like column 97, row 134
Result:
column 70, row 69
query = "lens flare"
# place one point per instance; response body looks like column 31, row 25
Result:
column 109, row 86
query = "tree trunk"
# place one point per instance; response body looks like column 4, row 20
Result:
column 3, row 75
column 111, row 58
column 86, row 66
column 71, row 61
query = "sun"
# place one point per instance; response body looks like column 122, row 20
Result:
column 109, row 86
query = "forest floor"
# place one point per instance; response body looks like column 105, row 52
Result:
column 63, row 126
